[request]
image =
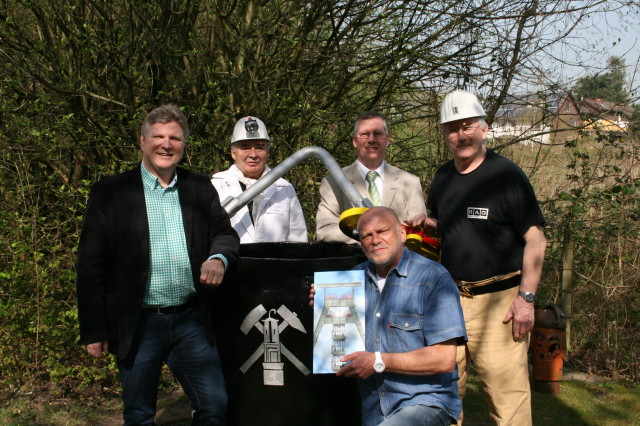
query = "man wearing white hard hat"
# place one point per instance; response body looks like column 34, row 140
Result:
column 374, row 178
column 485, row 210
column 275, row 215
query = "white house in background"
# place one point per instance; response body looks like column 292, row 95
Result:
column 537, row 118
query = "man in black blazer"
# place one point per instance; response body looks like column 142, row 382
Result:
column 155, row 243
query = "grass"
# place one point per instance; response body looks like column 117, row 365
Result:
column 579, row 402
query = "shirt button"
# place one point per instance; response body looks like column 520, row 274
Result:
column 381, row 393
column 377, row 314
column 377, row 340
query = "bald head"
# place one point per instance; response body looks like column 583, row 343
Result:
column 384, row 213
column 382, row 237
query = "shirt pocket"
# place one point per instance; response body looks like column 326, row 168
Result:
column 405, row 332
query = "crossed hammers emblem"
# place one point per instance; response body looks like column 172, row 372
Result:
column 272, row 348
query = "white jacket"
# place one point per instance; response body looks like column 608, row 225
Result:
column 278, row 216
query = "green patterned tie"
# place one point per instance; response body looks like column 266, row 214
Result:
column 374, row 194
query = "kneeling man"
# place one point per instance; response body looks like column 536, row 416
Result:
column 414, row 324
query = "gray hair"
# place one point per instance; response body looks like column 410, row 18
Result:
column 368, row 115
column 166, row 114
column 234, row 145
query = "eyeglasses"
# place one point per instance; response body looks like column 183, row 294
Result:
column 452, row 132
column 364, row 136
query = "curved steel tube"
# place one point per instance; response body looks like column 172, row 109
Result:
column 232, row 205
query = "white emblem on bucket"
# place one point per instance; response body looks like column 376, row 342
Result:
column 272, row 348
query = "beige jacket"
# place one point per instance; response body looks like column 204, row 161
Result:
column 402, row 193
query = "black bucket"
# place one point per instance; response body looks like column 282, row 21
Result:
column 264, row 327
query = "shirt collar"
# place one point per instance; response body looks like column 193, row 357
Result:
column 402, row 268
column 364, row 170
column 245, row 180
column 151, row 181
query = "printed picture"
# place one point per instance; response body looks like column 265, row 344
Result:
column 338, row 318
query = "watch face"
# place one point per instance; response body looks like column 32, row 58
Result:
column 378, row 367
column 528, row 296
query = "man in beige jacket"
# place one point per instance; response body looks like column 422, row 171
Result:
column 374, row 178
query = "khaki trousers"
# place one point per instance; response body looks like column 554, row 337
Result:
column 501, row 363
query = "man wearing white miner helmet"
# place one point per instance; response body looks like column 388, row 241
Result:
column 274, row 215
column 487, row 215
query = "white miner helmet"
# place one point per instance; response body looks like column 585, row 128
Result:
column 249, row 128
column 458, row 105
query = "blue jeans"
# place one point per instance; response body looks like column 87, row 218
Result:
column 418, row 415
column 179, row 339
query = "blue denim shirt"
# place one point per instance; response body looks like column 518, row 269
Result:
column 419, row 306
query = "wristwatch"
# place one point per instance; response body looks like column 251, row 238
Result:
column 527, row 295
column 378, row 365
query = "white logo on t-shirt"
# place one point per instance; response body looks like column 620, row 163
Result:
column 477, row 213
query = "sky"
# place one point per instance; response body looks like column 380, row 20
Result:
column 600, row 37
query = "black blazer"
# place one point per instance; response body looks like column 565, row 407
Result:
column 113, row 254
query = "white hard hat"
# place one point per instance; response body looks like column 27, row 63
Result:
column 249, row 128
column 458, row 105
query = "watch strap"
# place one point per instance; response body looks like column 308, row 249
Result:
column 378, row 364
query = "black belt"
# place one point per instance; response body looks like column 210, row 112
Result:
column 172, row 309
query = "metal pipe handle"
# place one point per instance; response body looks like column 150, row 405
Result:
column 232, row 205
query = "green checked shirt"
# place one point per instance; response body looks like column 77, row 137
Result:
column 170, row 281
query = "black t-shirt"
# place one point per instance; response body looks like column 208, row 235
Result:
column 483, row 216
